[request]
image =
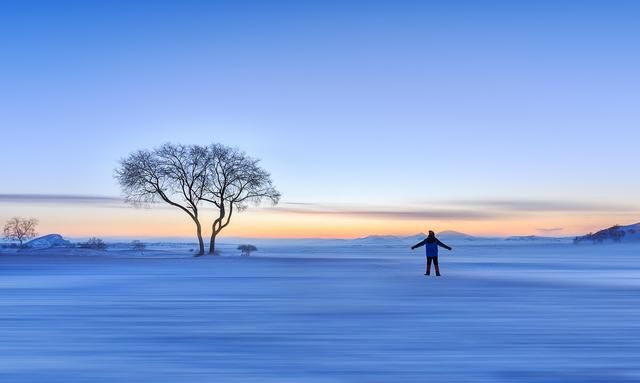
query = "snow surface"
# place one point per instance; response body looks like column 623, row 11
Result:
column 501, row 313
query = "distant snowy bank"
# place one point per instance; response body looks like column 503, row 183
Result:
column 48, row 241
column 158, row 247
column 629, row 233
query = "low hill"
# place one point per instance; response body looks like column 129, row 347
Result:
column 628, row 233
column 455, row 235
column 388, row 239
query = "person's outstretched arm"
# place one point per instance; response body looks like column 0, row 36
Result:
column 443, row 245
column 421, row 243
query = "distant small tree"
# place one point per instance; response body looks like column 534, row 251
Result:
column 93, row 243
column 20, row 229
column 247, row 249
column 138, row 246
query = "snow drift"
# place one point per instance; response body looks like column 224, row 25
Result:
column 48, row 241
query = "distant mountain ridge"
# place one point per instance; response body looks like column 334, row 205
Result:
column 535, row 238
column 617, row 233
column 451, row 234
column 387, row 239
column 448, row 235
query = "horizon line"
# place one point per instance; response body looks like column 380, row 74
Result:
column 189, row 238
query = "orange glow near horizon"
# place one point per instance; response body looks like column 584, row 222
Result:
column 82, row 221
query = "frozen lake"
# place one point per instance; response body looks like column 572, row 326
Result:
column 500, row 313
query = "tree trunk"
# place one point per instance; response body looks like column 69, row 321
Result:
column 212, row 243
column 200, row 241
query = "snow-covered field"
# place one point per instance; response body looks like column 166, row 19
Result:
column 500, row 313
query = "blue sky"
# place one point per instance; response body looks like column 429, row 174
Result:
column 353, row 106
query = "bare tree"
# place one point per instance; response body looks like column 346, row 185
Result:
column 246, row 250
column 138, row 246
column 20, row 229
column 234, row 180
column 93, row 243
column 174, row 174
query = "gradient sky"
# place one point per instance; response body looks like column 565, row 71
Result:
column 490, row 117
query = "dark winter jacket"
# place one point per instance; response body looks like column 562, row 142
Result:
column 431, row 246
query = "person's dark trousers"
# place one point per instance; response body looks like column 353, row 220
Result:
column 435, row 263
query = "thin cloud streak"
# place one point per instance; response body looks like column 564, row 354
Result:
column 458, row 210
column 386, row 213
column 544, row 206
column 60, row 198
column 469, row 210
column 80, row 200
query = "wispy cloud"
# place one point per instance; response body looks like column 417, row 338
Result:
column 544, row 206
column 383, row 212
column 461, row 210
column 457, row 210
column 60, row 198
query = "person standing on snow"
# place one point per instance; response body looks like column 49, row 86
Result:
column 431, row 244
